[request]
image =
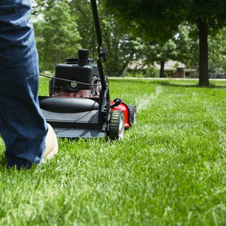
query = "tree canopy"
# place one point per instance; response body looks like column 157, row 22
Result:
column 67, row 26
column 153, row 30
column 57, row 36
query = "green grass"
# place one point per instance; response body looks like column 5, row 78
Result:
column 169, row 169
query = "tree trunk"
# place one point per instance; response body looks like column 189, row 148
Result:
column 161, row 73
column 203, row 53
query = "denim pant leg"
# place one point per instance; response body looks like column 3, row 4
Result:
column 22, row 125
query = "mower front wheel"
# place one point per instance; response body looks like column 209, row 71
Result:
column 116, row 125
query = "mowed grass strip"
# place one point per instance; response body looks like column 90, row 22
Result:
column 169, row 169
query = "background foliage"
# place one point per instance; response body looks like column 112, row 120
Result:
column 150, row 34
column 159, row 20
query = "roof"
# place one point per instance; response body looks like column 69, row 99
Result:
column 169, row 65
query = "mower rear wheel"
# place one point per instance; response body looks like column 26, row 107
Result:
column 133, row 114
column 116, row 125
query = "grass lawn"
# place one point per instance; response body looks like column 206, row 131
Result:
column 169, row 169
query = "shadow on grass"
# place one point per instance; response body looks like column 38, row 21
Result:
column 211, row 86
column 171, row 83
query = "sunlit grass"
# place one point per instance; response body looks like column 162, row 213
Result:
column 169, row 169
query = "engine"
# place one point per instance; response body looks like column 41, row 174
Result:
column 77, row 77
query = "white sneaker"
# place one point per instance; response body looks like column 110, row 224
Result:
column 51, row 144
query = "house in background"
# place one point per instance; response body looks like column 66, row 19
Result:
column 174, row 69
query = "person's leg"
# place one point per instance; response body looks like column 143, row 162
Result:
column 22, row 125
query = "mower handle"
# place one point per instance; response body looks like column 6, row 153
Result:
column 99, row 39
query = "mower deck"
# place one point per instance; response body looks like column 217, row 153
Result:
column 72, row 117
column 75, row 133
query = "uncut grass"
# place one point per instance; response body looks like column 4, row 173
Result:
column 169, row 169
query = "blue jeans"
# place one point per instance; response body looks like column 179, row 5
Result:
column 22, row 125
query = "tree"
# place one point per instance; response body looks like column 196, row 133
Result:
column 217, row 53
column 57, row 37
column 82, row 12
column 121, row 47
column 156, row 19
column 187, row 45
column 182, row 47
column 160, row 53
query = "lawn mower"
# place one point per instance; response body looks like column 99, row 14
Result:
column 79, row 103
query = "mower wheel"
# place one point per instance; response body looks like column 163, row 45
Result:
column 133, row 114
column 116, row 125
